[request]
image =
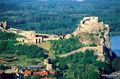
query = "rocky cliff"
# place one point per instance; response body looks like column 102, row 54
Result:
column 94, row 34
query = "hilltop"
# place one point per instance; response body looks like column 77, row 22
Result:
column 90, row 33
column 85, row 51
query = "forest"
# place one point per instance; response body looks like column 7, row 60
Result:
column 58, row 16
column 83, row 65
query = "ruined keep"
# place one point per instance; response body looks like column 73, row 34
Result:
column 91, row 31
column 3, row 24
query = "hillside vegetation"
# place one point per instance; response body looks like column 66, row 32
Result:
column 83, row 65
column 11, row 49
column 64, row 46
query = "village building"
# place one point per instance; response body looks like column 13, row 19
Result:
column 47, row 64
column 14, row 69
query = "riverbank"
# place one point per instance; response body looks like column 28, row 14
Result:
column 114, row 34
column 115, row 44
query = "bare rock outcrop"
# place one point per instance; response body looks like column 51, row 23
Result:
column 93, row 32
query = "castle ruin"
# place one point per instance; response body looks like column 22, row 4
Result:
column 90, row 31
column 31, row 37
column 3, row 24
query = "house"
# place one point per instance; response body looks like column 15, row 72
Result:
column 47, row 64
column 42, row 73
column 52, row 72
column 27, row 72
column 2, row 61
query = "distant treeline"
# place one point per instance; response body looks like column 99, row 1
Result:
column 58, row 16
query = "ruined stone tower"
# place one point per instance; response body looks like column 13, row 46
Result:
column 91, row 31
column 3, row 24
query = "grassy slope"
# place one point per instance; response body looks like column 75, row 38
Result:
column 21, row 60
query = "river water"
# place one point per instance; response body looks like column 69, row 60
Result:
column 115, row 44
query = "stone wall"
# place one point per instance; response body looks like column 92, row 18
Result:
column 35, row 40
column 27, row 34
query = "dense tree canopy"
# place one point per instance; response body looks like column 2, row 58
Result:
column 7, row 36
column 116, row 63
column 58, row 16
column 32, row 51
column 83, row 65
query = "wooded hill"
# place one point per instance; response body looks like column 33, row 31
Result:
column 58, row 16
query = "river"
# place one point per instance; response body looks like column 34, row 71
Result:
column 115, row 44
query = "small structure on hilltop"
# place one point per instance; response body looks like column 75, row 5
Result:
column 3, row 24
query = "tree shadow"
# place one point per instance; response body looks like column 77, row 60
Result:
column 111, row 54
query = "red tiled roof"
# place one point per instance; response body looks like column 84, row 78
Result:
column 40, row 73
column 52, row 72
column 2, row 60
